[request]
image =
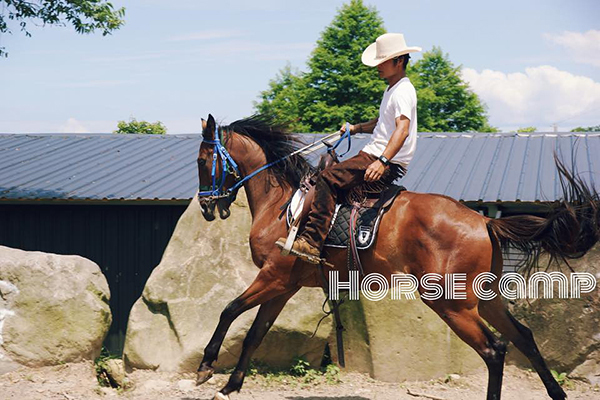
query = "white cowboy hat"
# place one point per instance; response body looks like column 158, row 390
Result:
column 387, row 46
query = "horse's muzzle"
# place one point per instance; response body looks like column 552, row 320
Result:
column 208, row 210
column 223, row 207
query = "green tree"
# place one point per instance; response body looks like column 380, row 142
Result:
column 528, row 129
column 86, row 16
column 595, row 128
column 282, row 99
column 135, row 126
column 445, row 103
column 337, row 86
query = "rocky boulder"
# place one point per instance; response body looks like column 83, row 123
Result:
column 205, row 266
column 208, row 264
column 53, row 309
column 398, row 340
column 567, row 331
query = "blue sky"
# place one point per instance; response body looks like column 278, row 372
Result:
column 534, row 63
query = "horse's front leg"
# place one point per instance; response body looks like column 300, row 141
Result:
column 265, row 318
column 265, row 287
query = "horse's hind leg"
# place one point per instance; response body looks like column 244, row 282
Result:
column 498, row 316
column 467, row 324
column 495, row 313
column 263, row 289
column 265, row 318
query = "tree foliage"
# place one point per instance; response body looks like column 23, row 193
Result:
column 337, row 87
column 444, row 101
column 282, row 99
column 527, row 129
column 595, row 128
column 86, row 16
column 135, row 126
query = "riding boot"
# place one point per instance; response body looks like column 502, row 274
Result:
column 302, row 249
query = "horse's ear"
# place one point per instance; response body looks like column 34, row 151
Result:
column 208, row 128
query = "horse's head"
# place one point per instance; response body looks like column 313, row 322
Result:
column 256, row 144
column 217, row 173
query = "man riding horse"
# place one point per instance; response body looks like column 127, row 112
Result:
column 420, row 234
column 384, row 159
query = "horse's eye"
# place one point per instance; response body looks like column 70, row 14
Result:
column 201, row 162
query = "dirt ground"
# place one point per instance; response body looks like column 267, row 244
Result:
column 78, row 382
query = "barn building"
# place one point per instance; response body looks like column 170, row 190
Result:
column 115, row 199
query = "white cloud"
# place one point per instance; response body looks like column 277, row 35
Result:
column 583, row 47
column 73, row 126
column 539, row 97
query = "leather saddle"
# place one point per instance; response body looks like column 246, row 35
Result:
column 369, row 210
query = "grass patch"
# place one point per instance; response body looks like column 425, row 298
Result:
column 562, row 379
column 101, row 367
column 299, row 374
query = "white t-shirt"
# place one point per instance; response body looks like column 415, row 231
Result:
column 400, row 99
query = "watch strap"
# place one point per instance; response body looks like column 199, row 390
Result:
column 384, row 160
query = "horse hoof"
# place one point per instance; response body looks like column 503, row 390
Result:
column 220, row 396
column 203, row 376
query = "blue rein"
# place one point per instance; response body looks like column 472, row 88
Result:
column 346, row 135
column 230, row 167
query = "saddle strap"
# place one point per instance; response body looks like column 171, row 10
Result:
column 352, row 249
column 334, row 307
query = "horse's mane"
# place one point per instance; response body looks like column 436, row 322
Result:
column 276, row 142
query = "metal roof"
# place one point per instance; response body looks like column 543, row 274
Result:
column 469, row 167
column 98, row 166
column 501, row 167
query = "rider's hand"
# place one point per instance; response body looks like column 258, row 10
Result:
column 375, row 171
column 352, row 129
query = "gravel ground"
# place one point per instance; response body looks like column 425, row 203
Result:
column 78, row 382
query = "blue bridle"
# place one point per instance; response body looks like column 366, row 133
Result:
column 230, row 167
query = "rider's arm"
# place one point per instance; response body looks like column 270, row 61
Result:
column 398, row 137
column 363, row 127
column 376, row 169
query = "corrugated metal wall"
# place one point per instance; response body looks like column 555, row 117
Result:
column 126, row 241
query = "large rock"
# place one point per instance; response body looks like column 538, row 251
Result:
column 567, row 331
column 398, row 340
column 205, row 266
column 53, row 308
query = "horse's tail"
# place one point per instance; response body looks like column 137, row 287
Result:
column 570, row 228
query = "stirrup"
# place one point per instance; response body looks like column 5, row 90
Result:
column 312, row 259
column 306, row 257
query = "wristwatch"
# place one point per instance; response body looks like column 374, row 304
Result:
column 384, row 160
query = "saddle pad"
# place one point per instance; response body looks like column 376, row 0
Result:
column 366, row 227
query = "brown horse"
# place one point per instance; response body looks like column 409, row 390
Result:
column 419, row 234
